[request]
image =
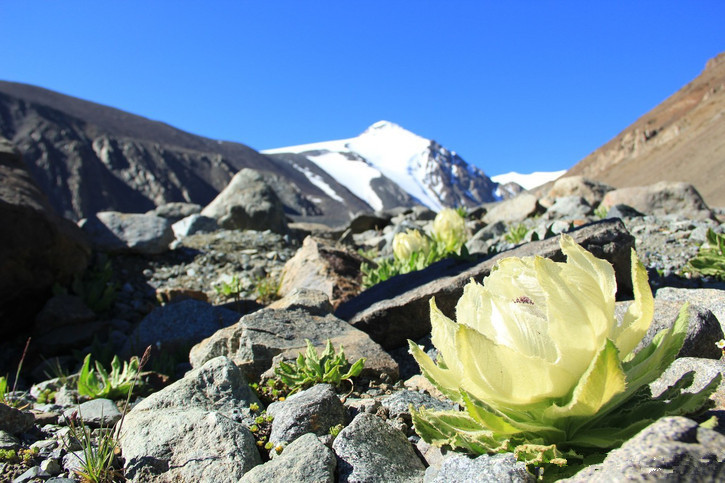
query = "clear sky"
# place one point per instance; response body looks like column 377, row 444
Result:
column 509, row 85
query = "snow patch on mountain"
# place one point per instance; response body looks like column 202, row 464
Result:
column 528, row 181
column 354, row 174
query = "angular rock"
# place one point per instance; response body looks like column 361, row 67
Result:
column 398, row 309
column 178, row 325
column 702, row 333
column 705, row 370
column 113, row 232
column 569, row 208
column 368, row 449
column 513, row 210
column 671, row 449
column 15, row 421
column 306, row 460
column 314, row 410
column 248, row 203
column 712, row 298
column 319, row 265
column 661, row 199
column 368, row 221
column 257, row 338
column 482, row 469
column 398, row 404
column 96, row 413
column 176, row 210
column 622, row 211
column 590, row 190
column 194, row 224
column 8, row 441
column 313, row 301
column 186, row 445
column 37, row 247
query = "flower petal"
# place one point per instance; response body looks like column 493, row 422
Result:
column 639, row 315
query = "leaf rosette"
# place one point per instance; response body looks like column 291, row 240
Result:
column 541, row 365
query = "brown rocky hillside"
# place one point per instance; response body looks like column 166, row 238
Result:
column 682, row 139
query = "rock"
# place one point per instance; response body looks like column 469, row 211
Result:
column 592, row 191
column 569, row 208
column 248, row 203
column 712, row 298
column 478, row 242
column 72, row 461
column 622, row 211
column 702, row 333
column 671, row 449
column 175, row 211
column 31, row 473
column 186, row 445
column 37, row 247
column 314, row 410
column 95, row 413
column 501, row 467
column 257, row 338
column 398, row 404
column 8, row 440
column 188, row 430
column 194, row 224
column 370, row 450
column 62, row 310
column 662, row 198
column 312, row 301
column 321, row 266
column 398, row 309
column 15, row 421
column 368, row 221
column 513, row 210
column 67, row 338
column 705, row 370
column 306, row 460
column 113, row 232
column 51, row 467
column 178, row 325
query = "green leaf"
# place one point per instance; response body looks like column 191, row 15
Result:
column 355, row 369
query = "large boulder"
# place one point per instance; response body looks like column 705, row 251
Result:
column 113, row 232
column 590, row 190
column 37, row 247
column 513, row 210
column 248, row 203
column 663, row 198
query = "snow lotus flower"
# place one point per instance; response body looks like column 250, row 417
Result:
column 408, row 243
column 449, row 229
column 541, row 365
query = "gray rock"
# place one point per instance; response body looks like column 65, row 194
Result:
column 705, row 371
column 671, row 449
column 368, row 221
column 315, row 302
column 306, row 460
column 592, row 191
column 513, row 210
column 712, row 298
column 398, row 403
column 498, row 468
column 481, row 241
column 193, row 224
column 96, row 413
column 73, row 461
column 702, row 333
column 370, row 450
column 314, row 410
column 51, row 467
column 15, row 421
column 114, row 232
column 178, row 325
column 257, row 338
column 30, row 473
column 398, row 309
column 61, row 480
column 63, row 310
column 248, row 203
column 176, row 210
column 186, row 445
column 622, row 211
column 662, row 198
column 569, row 208
column 218, row 385
column 8, row 441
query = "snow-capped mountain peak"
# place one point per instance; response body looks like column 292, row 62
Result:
column 387, row 166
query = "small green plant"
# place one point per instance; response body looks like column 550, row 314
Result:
column 311, row 368
column 95, row 286
column 270, row 390
column 266, row 289
column 335, row 430
column 99, row 383
column 24, row 456
column 46, row 396
column 231, row 289
column 516, row 233
column 601, row 211
column 710, row 259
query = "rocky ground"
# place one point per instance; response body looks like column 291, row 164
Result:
column 197, row 428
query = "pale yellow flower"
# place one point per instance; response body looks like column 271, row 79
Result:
column 449, row 229
column 412, row 241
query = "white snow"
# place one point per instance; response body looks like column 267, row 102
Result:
column 528, row 181
column 353, row 174
column 317, row 180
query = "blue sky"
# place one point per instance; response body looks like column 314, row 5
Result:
column 521, row 85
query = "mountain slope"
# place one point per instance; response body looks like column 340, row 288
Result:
column 682, row 139
column 389, row 166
